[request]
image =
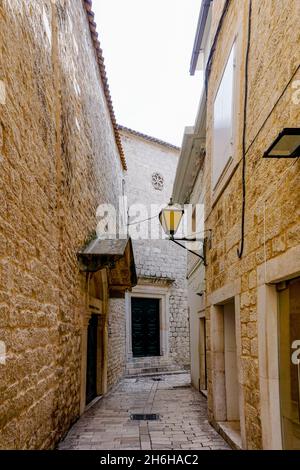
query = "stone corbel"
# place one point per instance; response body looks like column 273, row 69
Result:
column 96, row 306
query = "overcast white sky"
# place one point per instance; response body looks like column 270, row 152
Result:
column 147, row 47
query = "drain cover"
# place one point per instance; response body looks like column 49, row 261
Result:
column 145, row 417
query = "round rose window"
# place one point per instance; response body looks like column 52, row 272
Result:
column 158, row 181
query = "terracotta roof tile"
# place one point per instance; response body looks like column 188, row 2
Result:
column 148, row 137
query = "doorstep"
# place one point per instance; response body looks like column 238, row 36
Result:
column 93, row 402
column 230, row 431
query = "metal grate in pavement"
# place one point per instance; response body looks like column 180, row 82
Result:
column 144, row 417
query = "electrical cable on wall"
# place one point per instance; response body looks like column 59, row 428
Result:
column 144, row 220
column 240, row 251
column 213, row 47
column 156, row 217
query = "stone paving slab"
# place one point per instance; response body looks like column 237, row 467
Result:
column 107, row 425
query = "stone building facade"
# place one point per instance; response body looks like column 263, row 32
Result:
column 61, row 157
column 252, row 301
column 161, row 265
column 189, row 189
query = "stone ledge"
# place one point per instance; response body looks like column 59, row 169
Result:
column 154, row 280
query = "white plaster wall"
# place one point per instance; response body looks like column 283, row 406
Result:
column 194, row 338
column 196, row 284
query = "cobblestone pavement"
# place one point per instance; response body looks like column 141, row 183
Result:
column 182, row 425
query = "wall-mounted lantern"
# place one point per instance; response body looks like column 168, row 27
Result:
column 170, row 219
column 286, row 145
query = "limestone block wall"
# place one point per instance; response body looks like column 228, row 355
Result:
column 116, row 341
column 59, row 161
column 158, row 258
column 273, row 199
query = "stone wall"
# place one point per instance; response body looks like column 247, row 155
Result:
column 196, row 285
column 116, row 341
column 59, row 161
column 272, row 199
column 162, row 259
column 158, row 258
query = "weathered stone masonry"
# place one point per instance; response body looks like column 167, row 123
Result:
column 116, row 341
column 158, row 259
column 59, row 161
column 272, row 204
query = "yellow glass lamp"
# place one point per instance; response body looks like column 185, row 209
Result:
column 170, row 218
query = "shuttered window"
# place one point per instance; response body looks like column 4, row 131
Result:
column 223, row 120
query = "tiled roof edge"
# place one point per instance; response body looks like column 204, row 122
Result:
column 148, row 137
column 88, row 4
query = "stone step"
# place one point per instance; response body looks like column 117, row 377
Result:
column 152, row 374
column 147, row 370
column 149, row 358
column 152, row 360
column 145, row 365
column 154, row 364
column 148, row 363
column 153, row 369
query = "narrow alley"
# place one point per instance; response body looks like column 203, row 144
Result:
column 149, row 229
column 182, row 420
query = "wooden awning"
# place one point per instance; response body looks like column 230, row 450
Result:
column 115, row 255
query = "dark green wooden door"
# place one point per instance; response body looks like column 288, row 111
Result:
column 145, row 327
column 91, row 370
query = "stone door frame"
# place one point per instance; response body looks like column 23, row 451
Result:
column 279, row 269
column 150, row 292
column 203, row 379
column 216, row 301
column 98, row 307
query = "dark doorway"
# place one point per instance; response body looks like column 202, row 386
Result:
column 145, row 327
column 91, row 369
